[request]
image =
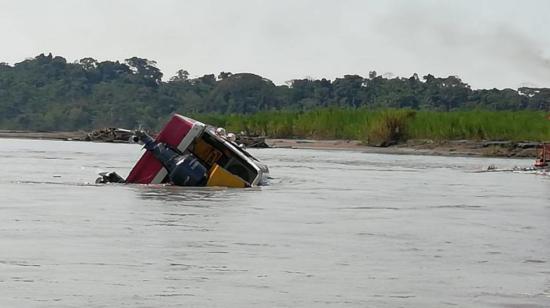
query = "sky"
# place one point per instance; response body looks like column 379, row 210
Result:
column 487, row 43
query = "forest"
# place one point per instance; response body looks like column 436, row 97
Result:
column 47, row 93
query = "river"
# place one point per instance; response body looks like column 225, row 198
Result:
column 333, row 228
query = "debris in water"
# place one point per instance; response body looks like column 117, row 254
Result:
column 109, row 135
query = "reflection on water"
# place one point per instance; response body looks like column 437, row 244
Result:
column 186, row 195
column 333, row 228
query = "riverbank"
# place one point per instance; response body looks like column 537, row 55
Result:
column 19, row 134
column 418, row 147
column 411, row 147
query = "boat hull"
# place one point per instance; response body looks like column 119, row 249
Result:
column 185, row 135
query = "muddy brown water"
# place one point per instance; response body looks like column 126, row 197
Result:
column 333, row 228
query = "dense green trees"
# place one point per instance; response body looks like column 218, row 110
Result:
column 47, row 93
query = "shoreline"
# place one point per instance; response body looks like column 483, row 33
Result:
column 466, row 148
column 20, row 134
column 463, row 148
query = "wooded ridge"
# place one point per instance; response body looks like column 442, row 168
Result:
column 49, row 93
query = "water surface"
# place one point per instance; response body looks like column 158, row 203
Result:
column 334, row 228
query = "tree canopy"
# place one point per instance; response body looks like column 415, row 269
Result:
column 49, row 93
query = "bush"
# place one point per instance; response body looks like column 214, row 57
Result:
column 390, row 127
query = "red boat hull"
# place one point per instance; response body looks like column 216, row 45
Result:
column 178, row 133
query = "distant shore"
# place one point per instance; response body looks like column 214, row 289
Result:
column 412, row 147
column 20, row 134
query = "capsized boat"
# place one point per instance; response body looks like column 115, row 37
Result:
column 187, row 152
column 541, row 165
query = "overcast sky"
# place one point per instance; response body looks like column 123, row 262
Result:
column 488, row 44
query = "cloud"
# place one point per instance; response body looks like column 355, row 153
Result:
column 442, row 37
column 488, row 43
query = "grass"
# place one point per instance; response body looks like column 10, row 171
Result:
column 482, row 125
column 390, row 127
column 387, row 126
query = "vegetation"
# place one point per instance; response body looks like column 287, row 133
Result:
column 479, row 125
column 47, row 93
column 392, row 125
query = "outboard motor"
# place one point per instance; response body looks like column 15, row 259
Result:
column 183, row 169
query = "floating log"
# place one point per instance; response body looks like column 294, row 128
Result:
column 252, row 141
column 110, row 134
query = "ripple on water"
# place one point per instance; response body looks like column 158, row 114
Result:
column 534, row 261
column 456, row 206
column 18, row 263
column 332, row 229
